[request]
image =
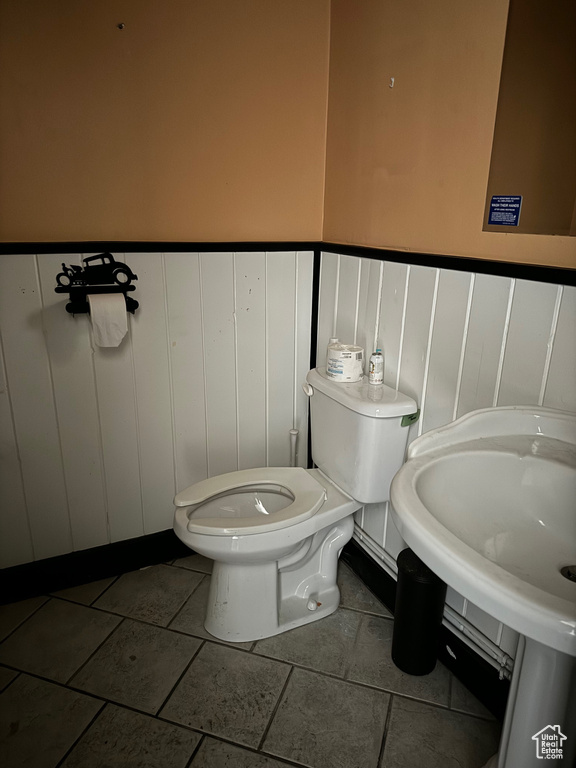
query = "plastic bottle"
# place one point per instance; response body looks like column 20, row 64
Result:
column 376, row 367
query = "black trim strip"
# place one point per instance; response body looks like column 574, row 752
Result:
column 518, row 270
column 480, row 677
column 45, row 576
column 314, row 333
column 132, row 246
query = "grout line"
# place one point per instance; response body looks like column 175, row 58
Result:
column 275, row 710
column 179, row 611
column 21, row 624
column 386, row 729
column 82, row 734
column 245, row 747
column 114, row 580
column 179, row 680
column 352, row 654
column 64, row 599
column 10, row 682
column 195, row 750
column 95, row 651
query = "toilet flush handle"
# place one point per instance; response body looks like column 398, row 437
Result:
column 308, row 389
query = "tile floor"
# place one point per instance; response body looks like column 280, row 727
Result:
column 122, row 673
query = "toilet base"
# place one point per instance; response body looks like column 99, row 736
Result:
column 251, row 602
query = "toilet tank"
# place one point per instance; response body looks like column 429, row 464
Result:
column 358, row 440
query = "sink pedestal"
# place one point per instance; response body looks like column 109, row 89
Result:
column 542, row 694
column 487, row 502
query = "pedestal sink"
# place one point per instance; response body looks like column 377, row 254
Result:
column 489, row 504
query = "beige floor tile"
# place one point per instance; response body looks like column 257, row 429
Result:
column 463, row 701
column 422, row 735
column 328, row 723
column 57, row 639
column 325, row 645
column 152, row 594
column 372, row 664
column 195, row 563
column 137, row 666
column 40, row 721
column 219, row 754
column 85, row 593
column 190, row 619
column 13, row 614
column 121, row 738
column 229, row 693
column 6, row 677
column 354, row 594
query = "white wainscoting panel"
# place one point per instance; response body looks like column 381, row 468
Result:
column 30, row 385
column 95, row 442
column 557, row 390
column 455, row 341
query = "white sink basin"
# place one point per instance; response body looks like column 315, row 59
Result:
column 489, row 504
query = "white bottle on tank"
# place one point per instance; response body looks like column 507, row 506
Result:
column 376, row 367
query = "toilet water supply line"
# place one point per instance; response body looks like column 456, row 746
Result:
column 293, row 439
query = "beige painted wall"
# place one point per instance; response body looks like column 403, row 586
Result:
column 206, row 120
column 407, row 167
column 200, row 120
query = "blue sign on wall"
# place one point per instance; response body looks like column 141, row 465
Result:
column 505, row 210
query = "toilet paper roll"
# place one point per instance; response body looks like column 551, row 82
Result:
column 108, row 317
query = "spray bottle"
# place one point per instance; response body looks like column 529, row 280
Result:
column 376, row 367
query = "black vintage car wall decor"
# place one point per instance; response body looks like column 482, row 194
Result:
column 98, row 274
column 102, row 269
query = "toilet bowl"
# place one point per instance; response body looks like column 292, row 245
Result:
column 275, row 533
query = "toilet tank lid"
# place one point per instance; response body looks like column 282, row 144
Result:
column 377, row 401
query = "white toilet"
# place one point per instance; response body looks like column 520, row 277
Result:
column 275, row 533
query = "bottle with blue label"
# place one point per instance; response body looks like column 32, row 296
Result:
column 376, row 367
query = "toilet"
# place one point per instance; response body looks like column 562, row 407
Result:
column 275, row 533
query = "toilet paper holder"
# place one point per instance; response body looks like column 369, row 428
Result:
column 99, row 274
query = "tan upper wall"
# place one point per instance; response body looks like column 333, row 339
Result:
column 200, row 120
column 206, row 120
column 407, row 167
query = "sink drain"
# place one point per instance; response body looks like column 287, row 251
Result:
column 569, row 572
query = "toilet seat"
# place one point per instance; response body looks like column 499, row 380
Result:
column 214, row 516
